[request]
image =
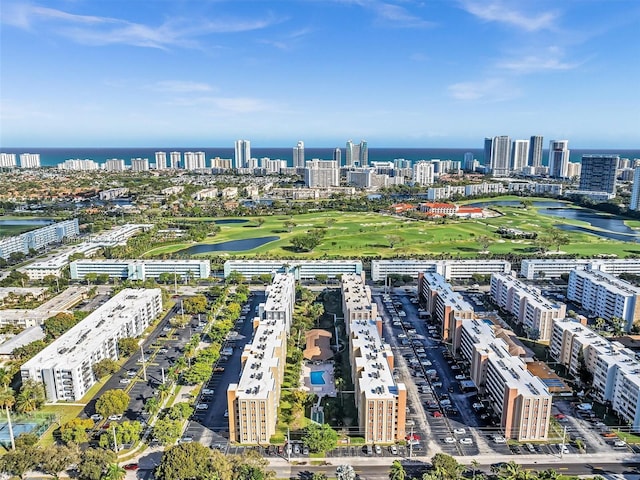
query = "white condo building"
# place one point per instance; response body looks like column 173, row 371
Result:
column 423, row 173
column 161, row 160
column 115, row 165
column 78, row 164
column 322, row 173
column 29, row 160
column 553, row 268
column 380, row 401
column 535, row 312
column 141, row 269
column 175, row 160
column 605, row 295
column 242, row 153
column 559, row 158
column 253, row 401
column 7, row 160
column 615, row 369
column 298, row 155
column 139, row 164
column 449, row 269
column 195, row 161
column 39, row 238
column 301, row 269
column 65, row 366
column 519, row 155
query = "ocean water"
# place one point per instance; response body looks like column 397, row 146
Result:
column 50, row 157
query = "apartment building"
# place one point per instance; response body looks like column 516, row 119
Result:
column 65, row 366
column 532, row 310
column 301, row 269
column 253, row 401
column 380, row 401
column 554, row 268
column 615, row 369
column 519, row 398
column 140, row 269
column 39, row 238
column 605, row 295
column 449, row 269
column 447, row 307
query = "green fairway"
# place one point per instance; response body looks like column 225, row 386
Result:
column 350, row 234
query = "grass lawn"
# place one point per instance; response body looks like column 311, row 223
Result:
column 356, row 235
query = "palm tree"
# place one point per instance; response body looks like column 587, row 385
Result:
column 396, row 472
column 26, row 403
column 548, row 474
column 163, row 392
column 114, row 472
column 509, row 471
column 7, row 400
column 5, row 377
column 474, row 469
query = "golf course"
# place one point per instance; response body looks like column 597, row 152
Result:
column 380, row 235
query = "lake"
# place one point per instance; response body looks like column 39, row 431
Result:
column 230, row 246
column 229, row 221
column 518, row 203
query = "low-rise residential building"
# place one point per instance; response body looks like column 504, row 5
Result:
column 605, row 295
column 141, row 269
column 206, row 193
column 446, row 307
column 380, row 401
column 449, row 269
column 39, row 238
column 519, row 398
column 554, row 268
column 301, row 269
column 65, row 366
column 535, row 312
column 615, row 369
column 253, row 401
column 112, row 193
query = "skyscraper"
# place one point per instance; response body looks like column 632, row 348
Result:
column 635, row 194
column 175, row 159
column 364, row 153
column 161, row 160
column 500, row 156
column 298, row 155
column 337, row 156
column 243, row 153
column 488, row 143
column 194, row 160
column 423, row 173
column 598, row 173
column 29, row 160
column 519, row 155
column 352, row 154
column 558, row 158
column 535, row 151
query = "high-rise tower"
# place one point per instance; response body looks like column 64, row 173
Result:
column 298, row 155
column 243, row 153
column 337, row 156
column 598, row 173
column 519, row 155
column 500, row 156
column 558, row 158
column 535, row 151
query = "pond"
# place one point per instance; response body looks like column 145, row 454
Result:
column 34, row 222
column 230, row 246
column 610, row 235
column 518, row 203
column 230, row 221
column 595, row 219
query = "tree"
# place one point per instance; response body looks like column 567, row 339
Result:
column 7, row 400
column 102, row 279
column 446, row 467
column 167, row 431
column 55, row 459
column 318, row 476
column 484, row 242
column 184, row 461
column 396, row 472
column 195, row 304
column 180, row 411
column 114, row 472
column 75, row 430
column 394, row 240
column 91, row 277
column 345, row 472
column 31, row 397
column 128, row 432
column 152, row 405
column 104, row 367
column 548, row 474
column 509, row 471
column 18, row 462
column 126, row 346
column 112, row 402
column 58, row 324
column 93, row 463
column 320, row 438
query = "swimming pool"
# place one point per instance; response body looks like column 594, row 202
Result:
column 316, row 378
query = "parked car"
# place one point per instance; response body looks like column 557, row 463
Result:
column 449, row 440
column 378, row 450
column 466, row 441
column 131, row 466
column 393, row 450
column 115, row 418
column 207, row 391
column 459, row 431
column 202, row 406
column 96, row 417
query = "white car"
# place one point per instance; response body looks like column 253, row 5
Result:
column 466, row 441
column 125, row 381
column 96, row 417
column 207, row 391
column 226, row 413
column 113, row 418
column 393, row 449
column 499, row 439
column 449, row 440
column 202, row 406
column 378, row 450
column 459, row 431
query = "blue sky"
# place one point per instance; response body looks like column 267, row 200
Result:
column 424, row 73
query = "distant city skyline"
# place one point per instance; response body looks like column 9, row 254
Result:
column 397, row 73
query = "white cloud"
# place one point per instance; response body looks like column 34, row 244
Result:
column 503, row 12
column 180, row 86
column 550, row 59
column 490, row 90
column 390, row 14
column 95, row 30
column 222, row 104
